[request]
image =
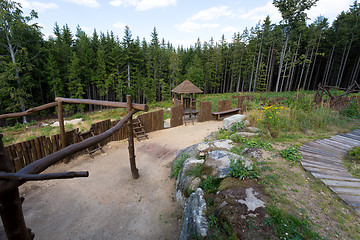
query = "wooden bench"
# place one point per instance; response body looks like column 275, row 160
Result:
column 223, row 114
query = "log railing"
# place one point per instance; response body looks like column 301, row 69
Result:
column 10, row 201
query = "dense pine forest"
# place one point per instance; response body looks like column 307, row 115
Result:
column 293, row 54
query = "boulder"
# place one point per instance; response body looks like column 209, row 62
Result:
column 223, row 144
column 253, row 152
column 194, row 223
column 252, row 129
column 73, row 122
column 219, row 163
column 186, row 183
column 245, row 134
column 251, row 201
column 230, row 121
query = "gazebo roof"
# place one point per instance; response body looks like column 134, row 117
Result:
column 186, row 87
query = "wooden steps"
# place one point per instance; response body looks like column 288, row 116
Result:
column 139, row 130
column 323, row 159
column 88, row 134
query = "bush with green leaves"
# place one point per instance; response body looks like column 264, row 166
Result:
column 178, row 165
column 237, row 126
column 291, row 154
column 252, row 143
column 353, row 110
column 210, row 185
column 239, row 170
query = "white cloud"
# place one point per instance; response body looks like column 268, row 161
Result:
column 87, row 3
column 143, row 5
column 212, row 13
column 329, row 9
column 192, row 26
column 119, row 24
column 229, row 29
column 37, row 6
column 260, row 13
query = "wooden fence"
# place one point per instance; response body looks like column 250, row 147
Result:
column 223, row 105
column 23, row 153
column 177, row 116
column 152, row 121
column 205, row 112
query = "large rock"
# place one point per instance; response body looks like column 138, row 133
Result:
column 219, row 163
column 185, row 182
column 230, row 121
column 223, row 144
column 194, row 223
column 72, row 122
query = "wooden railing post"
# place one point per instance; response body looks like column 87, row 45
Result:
column 62, row 127
column 134, row 170
column 11, row 210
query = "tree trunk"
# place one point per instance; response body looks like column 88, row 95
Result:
column 281, row 62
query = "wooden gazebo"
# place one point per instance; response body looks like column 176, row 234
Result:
column 186, row 90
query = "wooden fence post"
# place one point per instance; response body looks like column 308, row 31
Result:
column 62, row 128
column 134, row 170
column 11, row 210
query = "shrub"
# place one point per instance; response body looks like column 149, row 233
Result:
column 353, row 110
column 178, row 165
column 210, row 185
column 239, row 170
column 291, row 154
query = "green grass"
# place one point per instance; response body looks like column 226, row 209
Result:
column 352, row 161
column 178, row 165
column 288, row 226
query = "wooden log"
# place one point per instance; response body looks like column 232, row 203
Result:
column 25, row 153
column 11, row 205
column 29, row 111
column 141, row 107
column 44, row 163
column 41, row 177
column 134, row 170
column 62, row 127
column 18, row 163
column 37, row 148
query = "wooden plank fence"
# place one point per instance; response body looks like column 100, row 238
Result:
column 223, row 105
column 205, row 112
column 23, row 153
column 177, row 114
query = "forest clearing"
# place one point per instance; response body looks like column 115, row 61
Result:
column 251, row 136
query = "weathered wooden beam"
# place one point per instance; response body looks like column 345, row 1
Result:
column 11, row 205
column 41, row 177
column 29, row 111
column 42, row 164
column 62, row 128
column 134, row 170
column 137, row 106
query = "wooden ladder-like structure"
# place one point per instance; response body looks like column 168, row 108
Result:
column 139, row 130
column 88, row 134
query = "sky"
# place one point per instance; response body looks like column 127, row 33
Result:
column 181, row 22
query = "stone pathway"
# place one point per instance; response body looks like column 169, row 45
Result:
column 323, row 159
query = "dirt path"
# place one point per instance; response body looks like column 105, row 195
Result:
column 110, row 204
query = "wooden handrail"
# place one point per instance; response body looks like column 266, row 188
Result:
column 43, row 163
column 29, row 111
column 137, row 106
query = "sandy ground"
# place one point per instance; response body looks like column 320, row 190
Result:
column 109, row 204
